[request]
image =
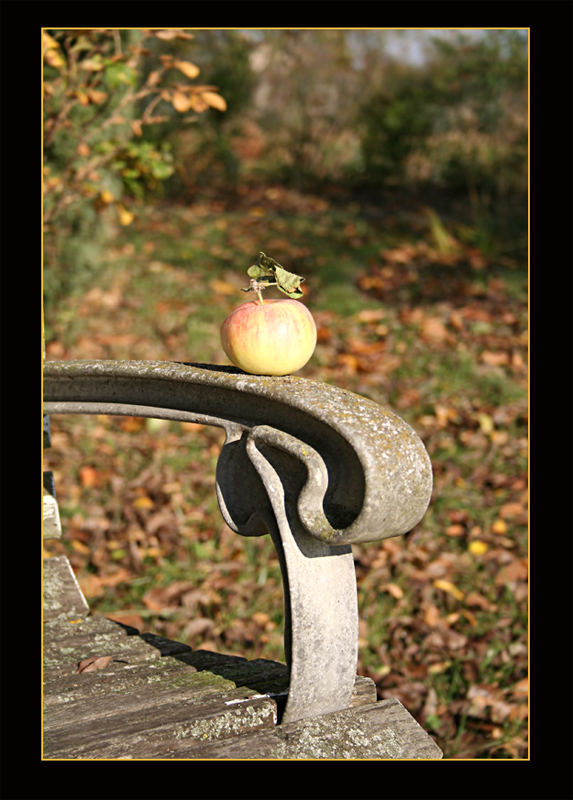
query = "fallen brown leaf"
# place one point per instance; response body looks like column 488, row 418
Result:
column 485, row 697
column 89, row 476
column 510, row 510
column 494, row 359
column 514, row 571
column 434, row 330
column 443, row 638
column 93, row 663
column 394, row 590
column 521, row 688
column 432, row 616
column 476, row 600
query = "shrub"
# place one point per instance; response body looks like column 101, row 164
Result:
column 98, row 162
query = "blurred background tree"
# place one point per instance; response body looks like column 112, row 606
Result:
column 349, row 111
column 439, row 114
column 458, row 124
column 103, row 90
column 202, row 145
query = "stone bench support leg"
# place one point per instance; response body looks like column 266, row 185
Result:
column 321, row 608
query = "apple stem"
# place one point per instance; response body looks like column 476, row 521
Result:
column 258, row 287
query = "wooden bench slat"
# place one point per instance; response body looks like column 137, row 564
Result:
column 142, row 702
column 62, row 593
column 157, row 698
column 382, row 730
column 69, row 688
column 155, row 729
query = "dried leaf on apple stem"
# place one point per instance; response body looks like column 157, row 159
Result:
column 268, row 272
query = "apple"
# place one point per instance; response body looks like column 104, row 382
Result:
column 274, row 337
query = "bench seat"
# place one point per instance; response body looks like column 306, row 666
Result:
column 147, row 697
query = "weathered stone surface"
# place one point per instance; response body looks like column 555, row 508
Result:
column 315, row 466
column 52, row 527
column 379, row 473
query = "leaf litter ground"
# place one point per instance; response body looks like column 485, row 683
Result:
column 439, row 333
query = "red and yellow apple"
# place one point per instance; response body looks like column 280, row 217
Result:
column 274, row 337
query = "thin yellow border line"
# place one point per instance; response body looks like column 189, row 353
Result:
column 528, row 395
column 477, row 28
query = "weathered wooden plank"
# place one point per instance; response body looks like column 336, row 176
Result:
column 137, row 661
column 83, row 629
column 92, row 637
column 62, row 593
column 120, row 677
column 156, row 697
column 134, row 689
column 382, row 730
column 143, row 702
column 150, row 728
column 67, row 642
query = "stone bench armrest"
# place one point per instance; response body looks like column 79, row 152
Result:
column 315, row 466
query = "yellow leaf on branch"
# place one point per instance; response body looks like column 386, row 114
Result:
column 181, row 102
column 187, row 68
column 214, row 100
column 52, row 53
column 198, row 104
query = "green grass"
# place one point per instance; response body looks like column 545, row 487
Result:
column 154, row 297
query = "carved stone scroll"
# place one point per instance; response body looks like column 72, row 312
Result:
column 315, row 466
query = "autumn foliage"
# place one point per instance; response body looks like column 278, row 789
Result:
column 97, row 104
column 420, row 296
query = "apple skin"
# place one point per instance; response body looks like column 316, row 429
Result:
column 276, row 337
